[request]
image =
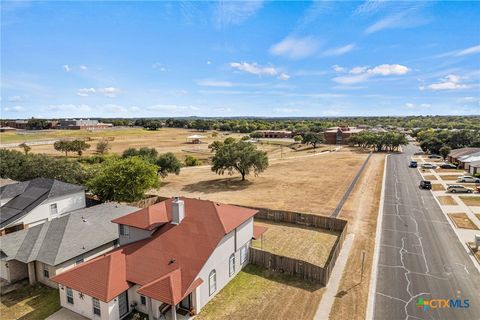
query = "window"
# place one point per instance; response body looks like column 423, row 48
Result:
column 69, row 295
column 243, row 254
column 53, row 209
column 212, row 282
column 143, row 300
column 123, row 230
column 79, row 260
column 231, row 264
column 46, row 272
column 96, row 307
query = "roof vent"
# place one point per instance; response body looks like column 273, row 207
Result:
column 178, row 210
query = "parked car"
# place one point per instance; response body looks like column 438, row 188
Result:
column 448, row 166
column 434, row 156
column 458, row 188
column 468, row 179
column 413, row 164
column 478, row 189
column 428, row 166
column 425, row 184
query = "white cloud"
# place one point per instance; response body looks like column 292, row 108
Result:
column 15, row 99
column 235, row 12
column 295, row 48
column 363, row 73
column 14, row 109
column 340, row 50
column 468, row 51
column 414, row 106
column 159, row 66
column 209, row 62
column 286, row 110
column 369, row 6
column 450, row 82
column 407, row 15
column 254, row 68
column 389, row 69
column 409, row 105
column 85, row 92
column 338, row 68
column 425, row 105
column 66, row 68
column 83, row 67
column 109, row 91
column 214, row 83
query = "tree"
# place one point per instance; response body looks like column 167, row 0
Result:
column 123, row 179
column 168, row 163
column 445, row 151
column 26, row 148
column 191, row 161
column 78, row 146
column 149, row 154
column 63, row 146
column 37, row 124
column 215, row 145
column 313, row 139
column 103, row 146
column 297, row 138
column 242, row 157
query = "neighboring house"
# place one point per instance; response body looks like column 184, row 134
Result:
column 465, row 161
column 474, row 167
column 28, row 203
column 455, row 154
column 42, row 251
column 175, row 256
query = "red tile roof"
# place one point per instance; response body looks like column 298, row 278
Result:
column 167, row 264
column 258, row 231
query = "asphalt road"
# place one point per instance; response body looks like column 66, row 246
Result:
column 420, row 256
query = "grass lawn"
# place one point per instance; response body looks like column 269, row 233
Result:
column 437, row 187
column 450, row 177
column 461, row 220
column 429, row 177
column 29, row 302
column 477, row 215
column 459, row 171
column 471, row 201
column 309, row 244
column 256, row 293
column 447, row 201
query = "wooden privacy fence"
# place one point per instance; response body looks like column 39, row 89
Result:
column 296, row 267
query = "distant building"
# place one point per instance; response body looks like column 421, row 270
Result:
column 276, row 134
column 340, row 135
column 18, row 124
column 455, row 154
column 7, row 129
column 82, row 124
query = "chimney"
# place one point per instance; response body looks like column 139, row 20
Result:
column 178, row 210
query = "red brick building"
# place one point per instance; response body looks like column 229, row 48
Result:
column 340, row 135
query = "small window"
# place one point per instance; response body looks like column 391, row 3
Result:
column 212, row 282
column 53, row 209
column 231, row 264
column 96, row 307
column 46, row 271
column 123, row 230
column 69, row 295
column 143, row 300
column 243, row 254
column 79, row 260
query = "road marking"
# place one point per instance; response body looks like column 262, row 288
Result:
column 376, row 252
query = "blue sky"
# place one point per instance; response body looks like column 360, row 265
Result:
column 147, row 59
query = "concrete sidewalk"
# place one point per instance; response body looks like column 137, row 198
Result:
column 325, row 306
column 65, row 314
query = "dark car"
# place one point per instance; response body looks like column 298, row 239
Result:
column 448, row 166
column 413, row 164
column 424, row 184
column 434, row 156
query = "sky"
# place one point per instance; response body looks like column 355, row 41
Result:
column 282, row 59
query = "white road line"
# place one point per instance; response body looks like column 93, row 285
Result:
column 376, row 252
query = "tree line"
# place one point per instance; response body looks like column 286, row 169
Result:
column 379, row 141
column 434, row 140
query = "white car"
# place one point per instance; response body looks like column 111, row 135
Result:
column 428, row 166
column 468, row 179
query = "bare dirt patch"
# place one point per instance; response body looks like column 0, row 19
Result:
column 309, row 244
column 437, row 187
column 450, row 177
column 447, row 201
column 461, row 220
column 361, row 212
column 471, row 201
column 429, row 177
column 309, row 183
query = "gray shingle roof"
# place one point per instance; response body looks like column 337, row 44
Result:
column 25, row 196
column 66, row 237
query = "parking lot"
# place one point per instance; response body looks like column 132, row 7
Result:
column 463, row 209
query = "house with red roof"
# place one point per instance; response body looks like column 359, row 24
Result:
column 173, row 258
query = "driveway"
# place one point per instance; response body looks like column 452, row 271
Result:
column 65, row 314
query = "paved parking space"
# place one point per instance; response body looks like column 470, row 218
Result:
column 65, row 314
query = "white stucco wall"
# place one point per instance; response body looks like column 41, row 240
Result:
column 219, row 261
column 133, row 296
column 134, row 234
column 13, row 270
column 84, row 306
column 41, row 213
